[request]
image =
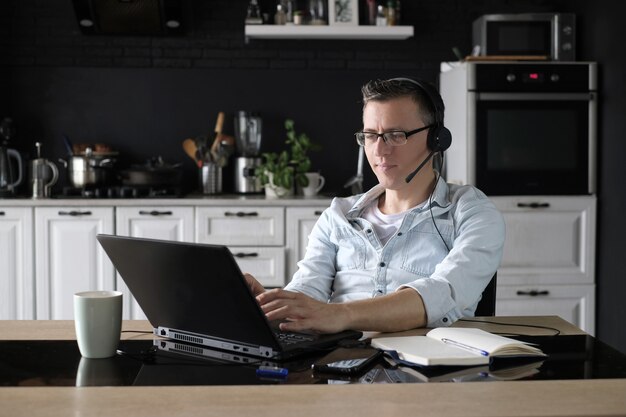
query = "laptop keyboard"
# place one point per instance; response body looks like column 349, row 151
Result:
column 293, row 338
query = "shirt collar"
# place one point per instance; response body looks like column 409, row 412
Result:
column 440, row 198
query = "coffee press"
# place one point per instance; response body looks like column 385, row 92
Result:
column 248, row 136
column 43, row 175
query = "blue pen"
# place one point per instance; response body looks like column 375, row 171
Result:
column 465, row 347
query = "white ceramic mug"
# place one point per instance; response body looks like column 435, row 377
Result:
column 316, row 183
column 98, row 322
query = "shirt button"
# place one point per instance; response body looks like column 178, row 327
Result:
column 382, row 264
column 445, row 319
column 368, row 231
column 400, row 234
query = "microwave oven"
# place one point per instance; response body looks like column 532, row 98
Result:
column 549, row 35
column 522, row 128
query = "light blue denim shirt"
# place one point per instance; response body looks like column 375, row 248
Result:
column 346, row 261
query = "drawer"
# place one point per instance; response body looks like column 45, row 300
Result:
column 574, row 303
column 266, row 264
column 241, row 226
column 549, row 240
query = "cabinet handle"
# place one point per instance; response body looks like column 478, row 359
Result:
column 533, row 205
column 533, row 293
column 155, row 213
column 241, row 214
column 74, row 213
column 318, row 212
column 1, row 213
column 245, row 255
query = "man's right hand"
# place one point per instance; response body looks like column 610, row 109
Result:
column 255, row 286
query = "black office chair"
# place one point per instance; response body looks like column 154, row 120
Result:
column 487, row 304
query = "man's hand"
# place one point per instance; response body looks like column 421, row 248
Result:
column 255, row 286
column 302, row 312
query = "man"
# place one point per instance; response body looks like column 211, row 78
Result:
column 412, row 251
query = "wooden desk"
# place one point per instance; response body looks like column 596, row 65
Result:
column 521, row 398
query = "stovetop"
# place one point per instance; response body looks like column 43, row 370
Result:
column 121, row 191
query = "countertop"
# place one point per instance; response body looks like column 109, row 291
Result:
column 189, row 200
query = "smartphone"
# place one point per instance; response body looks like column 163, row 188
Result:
column 347, row 361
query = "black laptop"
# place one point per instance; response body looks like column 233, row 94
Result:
column 196, row 293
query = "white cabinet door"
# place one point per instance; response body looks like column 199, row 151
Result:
column 549, row 240
column 241, row 226
column 17, row 282
column 574, row 303
column 300, row 222
column 167, row 223
column 69, row 259
column 267, row 264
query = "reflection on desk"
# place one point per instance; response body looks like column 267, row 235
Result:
column 148, row 363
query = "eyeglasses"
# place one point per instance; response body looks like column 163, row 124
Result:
column 393, row 138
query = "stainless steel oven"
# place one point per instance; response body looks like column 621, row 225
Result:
column 522, row 128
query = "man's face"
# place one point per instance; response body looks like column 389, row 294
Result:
column 392, row 164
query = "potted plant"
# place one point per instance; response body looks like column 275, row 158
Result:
column 279, row 172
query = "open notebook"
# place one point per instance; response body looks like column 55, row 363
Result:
column 454, row 346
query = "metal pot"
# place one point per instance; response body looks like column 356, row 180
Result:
column 88, row 169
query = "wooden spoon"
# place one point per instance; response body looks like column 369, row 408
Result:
column 189, row 146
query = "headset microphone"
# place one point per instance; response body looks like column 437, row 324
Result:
column 414, row 173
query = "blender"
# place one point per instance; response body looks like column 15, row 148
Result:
column 248, row 136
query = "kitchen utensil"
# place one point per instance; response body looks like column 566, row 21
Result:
column 69, row 148
column 88, row 169
column 43, row 173
column 225, row 149
column 219, row 123
column 189, row 146
column 356, row 182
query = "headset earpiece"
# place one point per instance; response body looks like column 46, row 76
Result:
column 439, row 139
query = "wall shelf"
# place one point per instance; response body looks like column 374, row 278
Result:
column 328, row 32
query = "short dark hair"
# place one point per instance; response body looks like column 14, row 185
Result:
column 383, row 90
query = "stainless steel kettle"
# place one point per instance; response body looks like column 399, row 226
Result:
column 10, row 172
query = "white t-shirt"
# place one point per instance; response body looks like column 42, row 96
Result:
column 385, row 225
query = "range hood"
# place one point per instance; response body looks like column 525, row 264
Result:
column 130, row 17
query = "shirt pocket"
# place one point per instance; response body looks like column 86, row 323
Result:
column 350, row 249
column 424, row 248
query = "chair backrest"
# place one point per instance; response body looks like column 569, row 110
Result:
column 487, row 304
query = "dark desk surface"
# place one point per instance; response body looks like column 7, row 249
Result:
column 581, row 376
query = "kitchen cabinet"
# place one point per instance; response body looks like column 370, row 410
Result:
column 300, row 222
column 154, row 222
column 17, row 286
column 548, row 263
column 69, row 259
column 574, row 303
column 254, row 234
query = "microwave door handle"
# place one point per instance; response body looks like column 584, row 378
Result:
column 535, row 96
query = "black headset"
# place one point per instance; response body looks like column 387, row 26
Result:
column 439, row 137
